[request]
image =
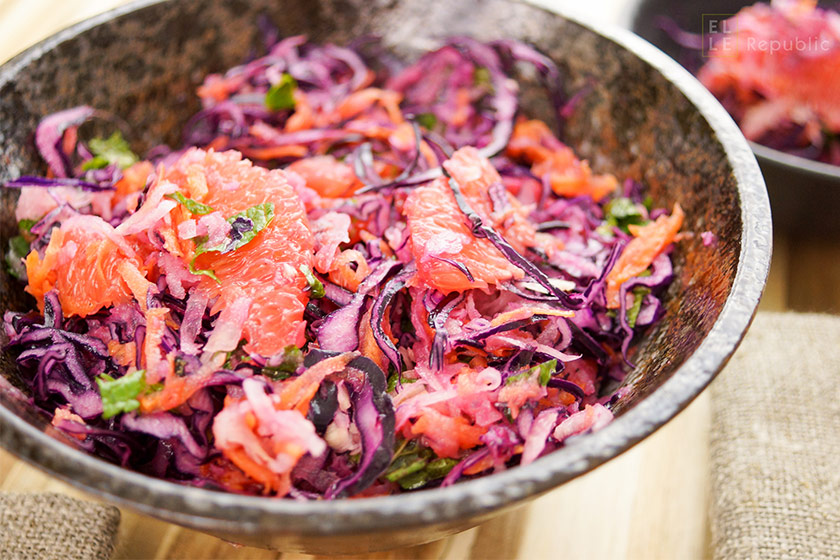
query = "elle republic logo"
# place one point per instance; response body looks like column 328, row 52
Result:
column 721, row 38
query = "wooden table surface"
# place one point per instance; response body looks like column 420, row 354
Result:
column 649, row 503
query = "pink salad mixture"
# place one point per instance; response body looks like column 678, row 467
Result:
column 356, row 277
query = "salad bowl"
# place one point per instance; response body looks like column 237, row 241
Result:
column 804, row 194
column 641, row 116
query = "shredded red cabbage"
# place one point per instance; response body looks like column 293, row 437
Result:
column 354, row 321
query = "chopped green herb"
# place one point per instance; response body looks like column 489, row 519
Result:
column 393, row 377
column 25, row 225
column 235, row 356
column 481, row 77
column 120, row 395
column 180, row 366
column 20, row 245
column 205, row 271
column 405, row 447
column 414, row 481
column 282, row 94
column 639, row 293
column 316, row 288
column 18, row 249
column 546, row 370
column 440, row 467
column 275, row 373
column 605, row 230
column 244, row 226
column 290, row 362
column 505, row 410
column 542, row 372
column 112, row 150
column 96, row 162
column 154, row 388
column 623, row 212
column 190, row 204
column 426, row 120
column 405, row 465
column 399, row 445
column 248, row 224
column 414, row 466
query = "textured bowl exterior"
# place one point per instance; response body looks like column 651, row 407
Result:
column 804, row 194
column 644, row 117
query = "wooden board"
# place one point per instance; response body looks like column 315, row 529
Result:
column 649, row 503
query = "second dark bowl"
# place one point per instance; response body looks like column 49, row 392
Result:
column 804, row 194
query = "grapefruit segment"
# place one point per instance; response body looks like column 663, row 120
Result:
column 82, row 261
column 327, row 176
column 441, row 238
column 439, row 233
column 267, row 268
column 476, row 176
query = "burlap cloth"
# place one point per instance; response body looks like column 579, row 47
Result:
column 775, row 442
column 52, row 526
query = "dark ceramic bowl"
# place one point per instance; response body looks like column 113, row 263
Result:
column 804, row 194
column 644, row 117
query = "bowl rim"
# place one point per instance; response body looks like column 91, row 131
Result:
column 821, row 169
column 236, row 514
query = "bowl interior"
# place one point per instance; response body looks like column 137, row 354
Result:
column 632, row 121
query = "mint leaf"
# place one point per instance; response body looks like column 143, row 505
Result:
column 481, row 77
column 120, row 395
column 316, row 287
column 204, row 271
column 623, row 212
column 542, row 372
column 235, row 356
column 19, row 246
column 282, row 94
column 639, row 293
column 426, row 120
column 190, row 204
column 405, row 465
column 154, row 388
column 414, row 481
column 440, row 467
column 414, row 467
column 393, row 377
column 545, row 371
column 111, row 150
column 96, row 162
column 290, row 362
column 25, row 225
column 18, row 249
column 244, row 226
